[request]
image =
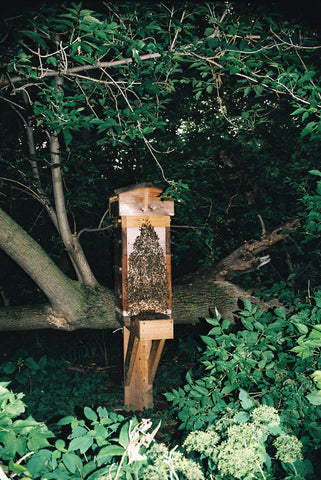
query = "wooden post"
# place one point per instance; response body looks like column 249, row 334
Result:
column 138, row 390
column 142, row 285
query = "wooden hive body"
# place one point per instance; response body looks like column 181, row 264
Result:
column 142, row 251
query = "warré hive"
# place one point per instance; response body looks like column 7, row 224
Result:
column 142, row 283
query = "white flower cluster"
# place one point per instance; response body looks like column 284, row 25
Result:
column 266, row 415
column 288, row 448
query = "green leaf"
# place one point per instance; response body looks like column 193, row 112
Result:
column 315, row 397
column 245, row 400
column 316, row 376
column 208, row 31
column 213, row 321
column 38, row 464
column 189, row 377
column 226, row 323
column 169, row 396
column 72, row 462
column 209, row 341
column 9, row 368
column 60, row 445
column 90, row 414
column 91, row 19
column 110, row 450
column 81, row 443
column 280, row 312
column 247, row 305
column 37, row 442
column 298, row 111
column 67, row 136
column 18, row 469
column 34, row 36
column 100, row 431
column 215, row 331
column 308, row 128
column 124, row 435
column 242, row 417
column 315, row 172
column 66, row 420
column 246, row 91
column 31, row 363
column 78, row 431
column 302, row 328
column 248, row 324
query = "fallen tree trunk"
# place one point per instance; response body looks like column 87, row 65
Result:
column 75, row 306
column 190, row 302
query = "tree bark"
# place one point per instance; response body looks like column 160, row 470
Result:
column 190, row 303
column 70, row 241
column 43, row 198
column 63, row 294
column 246, row 258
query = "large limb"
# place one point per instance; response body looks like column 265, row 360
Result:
column 70, row 241
column 74, row 306
column 247, row 257
column 62, row 293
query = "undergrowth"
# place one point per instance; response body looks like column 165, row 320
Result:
column 248, row 407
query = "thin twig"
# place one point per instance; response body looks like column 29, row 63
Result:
column 262, row 225
column 147, row 143
column 176, row 33
column 94, row 230
column 103, row 218
column 25, row 187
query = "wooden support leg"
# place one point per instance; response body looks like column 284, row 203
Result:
column 132, row 344
column 155, row 354
column 138, row 389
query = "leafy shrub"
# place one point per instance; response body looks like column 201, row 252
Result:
column 51, row 389
column 312, row 203
column 248, row 444
column 101, row 445
column 270, row 356
column 18, row 437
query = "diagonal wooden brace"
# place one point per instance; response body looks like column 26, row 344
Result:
column 130, row 357
column 154, row 357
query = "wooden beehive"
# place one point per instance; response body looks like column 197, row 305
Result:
column 142, row 251
column 143, row 288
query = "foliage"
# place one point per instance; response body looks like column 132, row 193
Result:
column 53, row 387
column 312, row 204
column 90, row 451
column 224, row 106
column 198, row 97
column 105, row 443
column 101, row 444
column 243, row 445
column 268, row 355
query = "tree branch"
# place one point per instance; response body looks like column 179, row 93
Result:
column 245, row 258
column 43, row 198
column 29, row 255
column 70, row 241
column 80, row 68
